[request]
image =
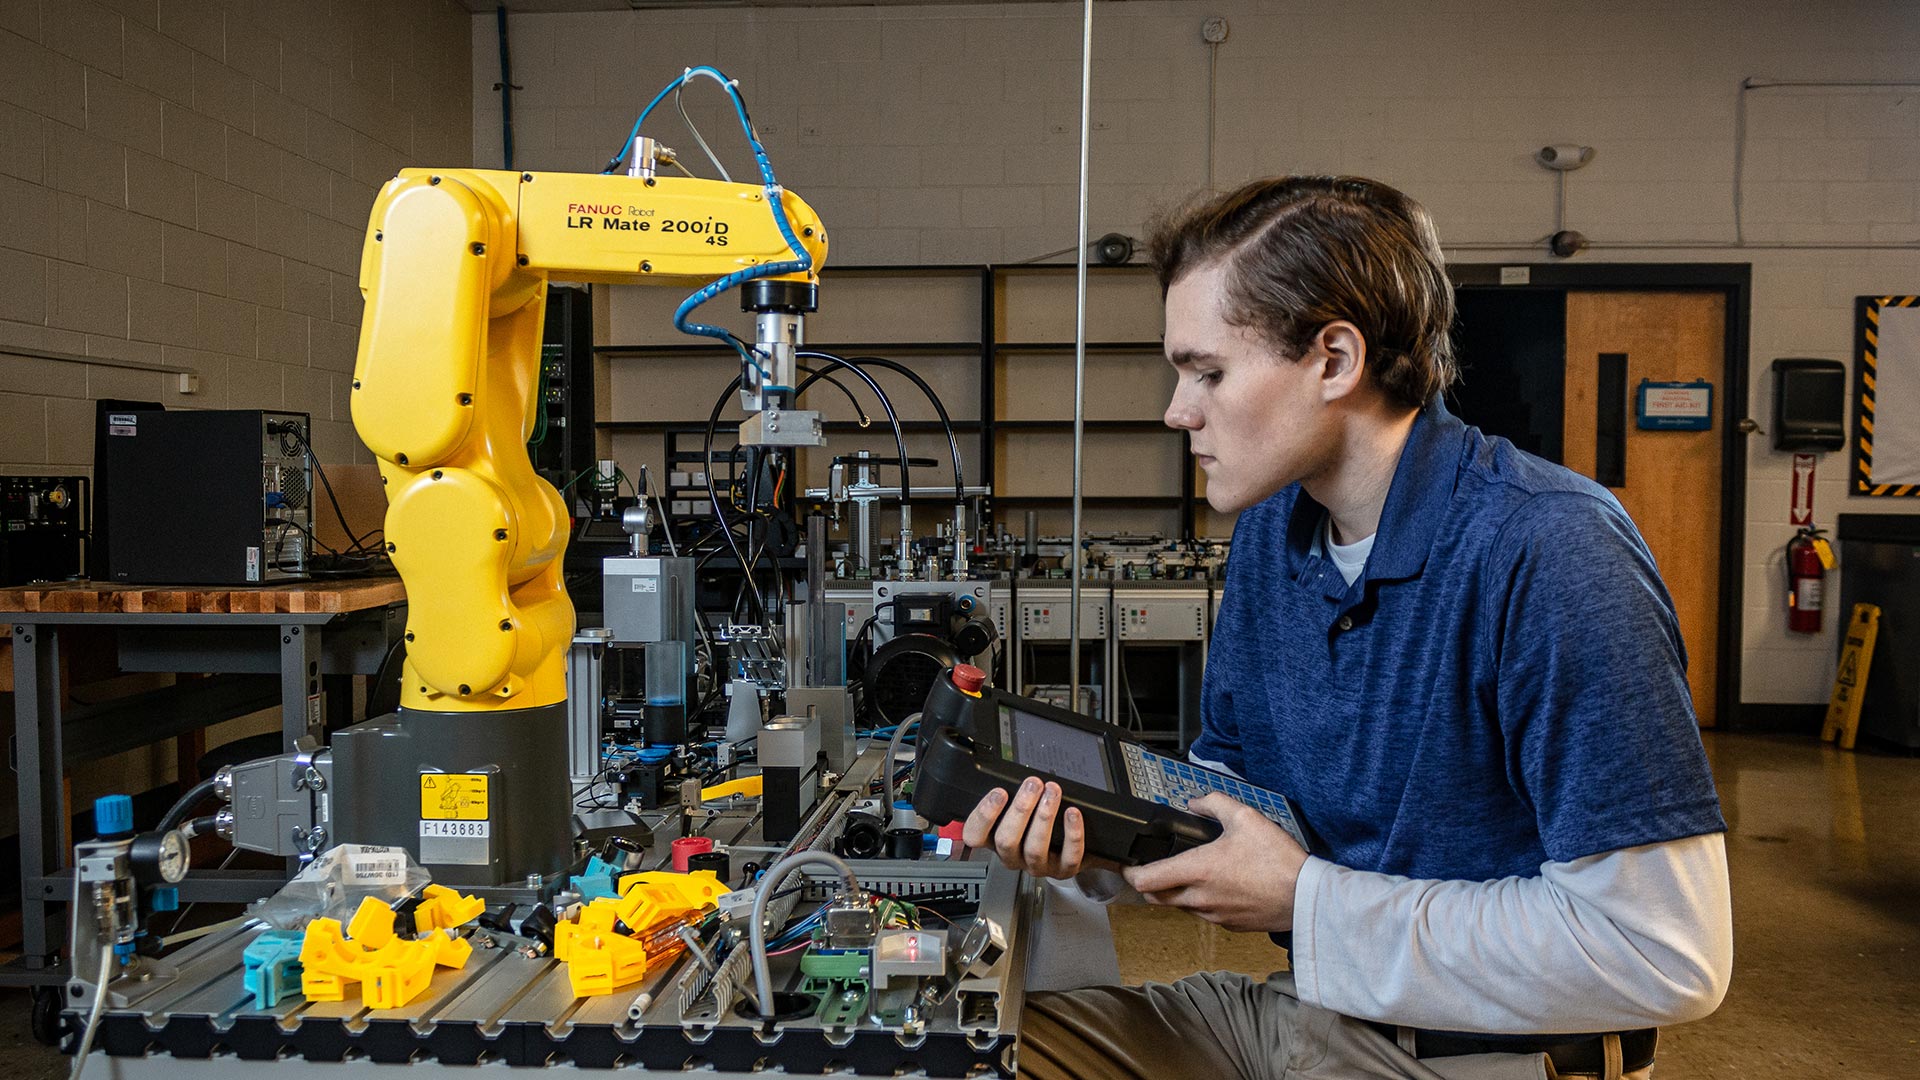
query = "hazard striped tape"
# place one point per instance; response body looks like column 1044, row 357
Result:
column 1866, row 368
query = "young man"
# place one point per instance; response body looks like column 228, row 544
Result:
column 1457, row 659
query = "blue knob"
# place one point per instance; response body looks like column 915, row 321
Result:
column 112, row 815
column 164, row 898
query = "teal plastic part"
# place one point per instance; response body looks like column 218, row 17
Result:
column 597, row 881
column 272, row 967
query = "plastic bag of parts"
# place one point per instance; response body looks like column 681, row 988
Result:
column 335, row 882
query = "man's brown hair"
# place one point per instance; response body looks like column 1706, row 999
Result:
column 1304, row 251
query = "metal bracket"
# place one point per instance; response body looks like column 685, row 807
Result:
column 782, row 427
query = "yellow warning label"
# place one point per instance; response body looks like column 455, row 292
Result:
column 453, row 796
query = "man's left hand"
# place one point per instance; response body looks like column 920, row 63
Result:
column 1242, row 881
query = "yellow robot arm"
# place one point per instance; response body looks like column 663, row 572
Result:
column 455, row 273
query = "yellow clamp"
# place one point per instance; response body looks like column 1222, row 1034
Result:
column 444, row 909
column 599, row 958
column 649, row 897
column 391, row 971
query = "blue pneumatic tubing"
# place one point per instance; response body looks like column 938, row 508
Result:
column 800, row 263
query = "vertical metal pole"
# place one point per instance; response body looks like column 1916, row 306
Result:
column 817, row 665
column 585, row 689
column 1080, row 355
column 506, row 90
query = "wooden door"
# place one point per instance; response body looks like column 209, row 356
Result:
column 1672, row 487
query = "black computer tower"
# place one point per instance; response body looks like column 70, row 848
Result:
column 1880, row 565
column 97, row 543
column 222, row 497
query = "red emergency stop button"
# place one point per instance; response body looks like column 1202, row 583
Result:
column 969, row 678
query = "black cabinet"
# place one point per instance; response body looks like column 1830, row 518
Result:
column 1880, row 565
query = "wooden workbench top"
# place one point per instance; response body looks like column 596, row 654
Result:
column 327, row 595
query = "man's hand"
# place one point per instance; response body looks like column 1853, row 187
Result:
column 1023, row 838
column 1242, row 881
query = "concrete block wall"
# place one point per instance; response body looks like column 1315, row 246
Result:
column 949, row 133
column 184, row 186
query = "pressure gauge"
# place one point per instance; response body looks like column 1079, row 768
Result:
column 160, row 856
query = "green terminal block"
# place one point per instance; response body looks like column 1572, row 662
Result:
column 840, row 981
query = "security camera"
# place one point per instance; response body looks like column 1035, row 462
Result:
column 1564, row 158
column 1567, row 243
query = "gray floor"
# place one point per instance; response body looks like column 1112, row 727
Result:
column 1825, row 855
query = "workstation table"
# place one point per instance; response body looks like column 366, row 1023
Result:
column 294, row 644
column 511, row 1005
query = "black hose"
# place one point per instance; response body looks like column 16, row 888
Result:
column 203, row 826
column 886, row 403
column 840, row 386
column 178, row 812
column 953, row 443
column 713, row 493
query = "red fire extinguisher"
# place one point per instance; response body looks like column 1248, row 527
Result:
column 1806, row 579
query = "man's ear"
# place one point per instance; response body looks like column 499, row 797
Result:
column 1346, row 351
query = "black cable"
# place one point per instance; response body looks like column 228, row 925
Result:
column 315, row 548
column 953, row 443
column 755, row 463
column 899, row 438
column 177, row 813
column 367, row 561
column 840, row 386
column 385, row 686
column 708, row 557
column 713, row 494
column 203, row 826
column 855, row 654
column 356, row 544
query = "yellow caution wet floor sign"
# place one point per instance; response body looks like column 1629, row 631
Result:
column 1850, row 682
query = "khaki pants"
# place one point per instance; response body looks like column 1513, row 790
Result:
column 1224, row 1025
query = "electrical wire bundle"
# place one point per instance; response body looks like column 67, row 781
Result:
column 750, row 557
column 363, row 554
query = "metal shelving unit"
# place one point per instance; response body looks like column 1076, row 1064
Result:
column 985, row 434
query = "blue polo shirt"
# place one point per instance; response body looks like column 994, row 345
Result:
column 1503, row 686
